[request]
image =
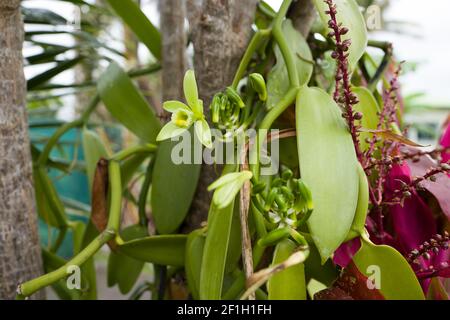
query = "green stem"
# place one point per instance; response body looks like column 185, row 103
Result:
column 286, row 51
column 28, row 288
column 266, row 124
column 388, row 52
column 43, row 157
column 142, row 202
column 254, row 44
column 115, row 208
column 122, row 155
column 59, row 240
column 290, row 96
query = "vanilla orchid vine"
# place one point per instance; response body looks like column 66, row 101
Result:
column 351, row 194
column 228, row 186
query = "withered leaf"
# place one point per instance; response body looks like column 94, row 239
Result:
column 99, row 207
column 390, row 135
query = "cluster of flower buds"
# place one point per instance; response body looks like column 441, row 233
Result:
column 288, row 203
column 390, row 98
column 226, row 110
column 415, row 156
column 434, row 246
column 407, row 188
column 343, row 93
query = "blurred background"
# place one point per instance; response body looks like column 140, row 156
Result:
column 417, row 29
column 72, row 43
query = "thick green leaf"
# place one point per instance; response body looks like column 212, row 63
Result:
column 47, row 56
column 126, row 103
column 314, row 287
column 77, row 228
column 88, row 268
column 288, row 284
column 163, row 250
column 350, row 16
column 362, row 208
column 93, row 150
column 42, row 16
column 194, row 256
column 130, row 167
column 132, row 15
column 48, row 203
column 326, row 273
column 368, row 107
column 228, row 187
column 45, row 76
column 278, row 79
column 328, row 166
column 173, row 189
column 215, row 252
column 289, row 153
column 396, row 278
column 90, row 274
column 124, row 270
column 235, row 245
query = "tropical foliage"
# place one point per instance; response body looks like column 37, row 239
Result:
column 355, row 211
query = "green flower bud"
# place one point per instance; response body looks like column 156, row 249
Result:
column 234, row 97
column 305, row 193
column 274, row 237
column 259, row 85
column 215, row 108
column 258, row 187
column 287, row 174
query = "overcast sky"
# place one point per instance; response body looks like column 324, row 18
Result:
column 430, row 46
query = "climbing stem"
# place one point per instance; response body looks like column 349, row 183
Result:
column 115, row 196
column 265, row 125
column 43, row 157
column 254, row 44
column 28, row 288
column 286, row 51
column 388, row 52
column 290, row 96
column 124, row 154
column 142, row 202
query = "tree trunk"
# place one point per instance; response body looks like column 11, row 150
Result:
column 174, row 40
column 302, row 13
column 20, row 255
column 221, row 30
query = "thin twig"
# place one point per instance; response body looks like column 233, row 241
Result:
column 247, row 256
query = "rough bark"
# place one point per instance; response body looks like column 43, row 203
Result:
column 220, row 31
column 20, row 255
column 174, row 40
column 302, row 13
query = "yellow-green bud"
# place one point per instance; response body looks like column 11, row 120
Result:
column 259, row 85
